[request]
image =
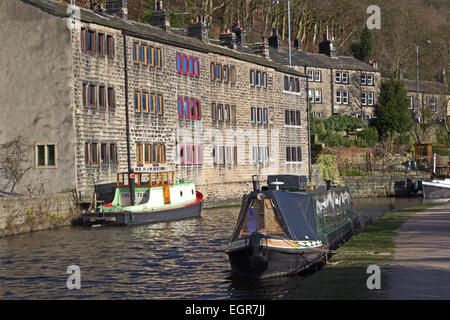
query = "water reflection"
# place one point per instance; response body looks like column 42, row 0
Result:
column 173, row 260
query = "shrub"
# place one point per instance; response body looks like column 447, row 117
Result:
column 368, row 136
column 340, row 122
column 328, row 166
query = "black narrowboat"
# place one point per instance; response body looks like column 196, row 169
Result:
column 284, row 229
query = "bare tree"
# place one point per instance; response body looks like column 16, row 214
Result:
column 14, row 162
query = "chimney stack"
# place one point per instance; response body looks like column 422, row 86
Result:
column 444, row 76
column 275, row 40
column 228, row 38
column 374, row 64
column 262, row 49
column 160, row 17
column 117, row 7
column 328, row 45
column 199, row 29
column 241, row 34
column 298, row 45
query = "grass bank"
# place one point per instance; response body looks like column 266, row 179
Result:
column 345, row 274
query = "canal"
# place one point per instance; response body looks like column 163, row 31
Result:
column 176, row 260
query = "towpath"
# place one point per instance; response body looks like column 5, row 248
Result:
column 421, row 267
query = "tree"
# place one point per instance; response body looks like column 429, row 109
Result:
column 392, row 110
column 362, row 50
column 14, row 162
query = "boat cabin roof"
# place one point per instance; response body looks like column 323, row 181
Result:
column 146, row 179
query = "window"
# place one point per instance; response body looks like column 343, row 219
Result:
column 265, row 116
column 184, row 64
column 110, row 46
column 411, row 102
column 213, row 112
column 178, row 63
column 45, row 155
column 311, row 75
column 218, row 72
column 91, row 96
column 94, row 153
column 186, row 108
column 180, row 107
column 104, row 158
column 318, row 75
column 147, row 153
column 292, row 117
column 135, row 52
column 227, row 112
column 345, row 97
column 311, row 95
column 318, row 97
column 157, row 57
column 83, row 39
column 258, row 79
column 363, row 79
column 143, row 54
column 370, row 101
column 264, row 80
column 286, row 83
column 338, row 97
column 212, row 71
column 370, row 80
column 101, row 97
column 145, row 104
column 363, row 98
column 259, row 116
column 152, row 103
column 297, row 85
column 90, row 42
column 100, row 44
column 139, row 154
column 159, row 104
column 233, row 74
column 338, row 77
column 220, row 112
column 196, row 68
column 293, row 155
column 137, row 101
column 253, row 114
column 151, row 56
column 226, row 74
column 198, row 109
column 192, row 108
column 252, row 78
column 432, row 102
column 111, row 99
column 113, row 154
column 191, row 66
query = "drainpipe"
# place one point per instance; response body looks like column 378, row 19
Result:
column 309, row 131
column 127, row 117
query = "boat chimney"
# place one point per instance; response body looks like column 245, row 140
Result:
column 328, row 184
column 255, row 182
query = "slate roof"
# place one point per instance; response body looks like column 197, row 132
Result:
column 425, row 86
column 301, row 58
column 151, row 33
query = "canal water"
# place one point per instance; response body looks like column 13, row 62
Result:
column 173, row 260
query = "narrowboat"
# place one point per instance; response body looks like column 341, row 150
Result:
column 157, row 197
column 436, row 190
column 283, row 229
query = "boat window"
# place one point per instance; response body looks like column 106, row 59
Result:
column 260, row 216
column 154, row 179
column 145, row 179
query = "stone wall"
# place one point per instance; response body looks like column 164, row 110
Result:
column 39, row 212
column 380, row 186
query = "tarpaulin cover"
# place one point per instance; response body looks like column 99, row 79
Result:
column 298, row 213
column 290, row 181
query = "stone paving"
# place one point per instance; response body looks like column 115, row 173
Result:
column 421, row 267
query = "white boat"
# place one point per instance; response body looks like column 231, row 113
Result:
column 436, row 190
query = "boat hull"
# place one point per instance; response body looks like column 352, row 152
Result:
column 136, row 218
column 436, row 191
column 278, row 262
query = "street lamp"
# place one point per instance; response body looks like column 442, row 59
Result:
column 417, row 77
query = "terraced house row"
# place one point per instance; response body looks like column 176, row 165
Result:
column 88, row 90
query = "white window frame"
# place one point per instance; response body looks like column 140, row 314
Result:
column 344, row 77
column 317, row 75
column 345, row 97
column 311, row 75
column 252, row 78
column 318, row 96
column 432, row 103
column 339, row 97
column 411, row 102
column 338, row 77
column 363, row 98
column 370, row 79
column 311, row 95
column 363, row 79
column 370, row 100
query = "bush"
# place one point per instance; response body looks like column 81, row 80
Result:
column 367, row 137
column 340, row 122
column 355, row 172
column 328, row 166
